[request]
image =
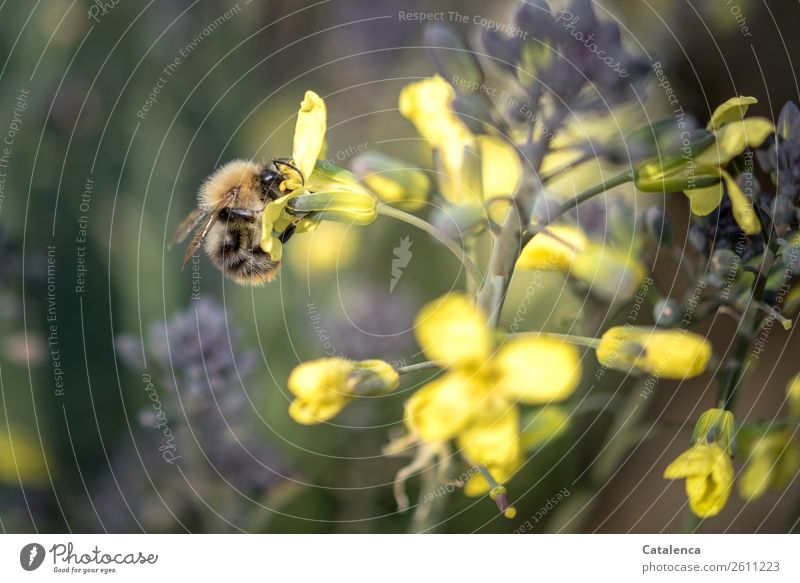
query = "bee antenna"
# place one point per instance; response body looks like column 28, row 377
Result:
column 285, row 162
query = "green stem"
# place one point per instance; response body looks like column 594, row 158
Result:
column 617, row 180
column 416, row 367
column 509, row 241
column 586, row 341
column 389, row 211
column 735, row 366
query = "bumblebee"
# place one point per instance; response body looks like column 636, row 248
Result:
column 227, row 220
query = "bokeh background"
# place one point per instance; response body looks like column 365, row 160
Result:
column 99, row 323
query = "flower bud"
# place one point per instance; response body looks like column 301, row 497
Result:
column 323, row 387
column 669, row 163
column 670, row 354
column 344, row 206
column 679, row 181
column 716, row 426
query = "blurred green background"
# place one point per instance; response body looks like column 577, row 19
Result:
column 95, row 179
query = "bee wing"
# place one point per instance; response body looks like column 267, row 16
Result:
column 187, row 225
column 204, row 226
column 202, row 220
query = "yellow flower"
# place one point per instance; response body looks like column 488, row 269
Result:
column 323, row 387
column 309, row 132
column 733, row 135
column 309, row 136
column 428, row 105
column 709, row 477
column 21, row 458
column 475, row 401
column 670, row 354
column 771, row 461
column 335, row 194
column 609, row 272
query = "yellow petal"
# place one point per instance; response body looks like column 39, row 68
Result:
column 427, row 103
column 743, row 210
column 324, row 386
column 732, row 110
column 703, row 201
column 273, row 247
column 492, row 439
column 453, row 331
column 441, row 409
column 313, row 412
column 537, row 370
column 733, row 138
column 321, row 389
column 552, row 250
column 309, row 132
column 333, row 246
column 709, row 477
column 500, row 167
column 325, row 378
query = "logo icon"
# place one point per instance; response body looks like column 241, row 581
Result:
column 402, row 256
column 31, row 556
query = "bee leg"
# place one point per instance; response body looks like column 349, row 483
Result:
column 243, row 213
column 287, row 234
